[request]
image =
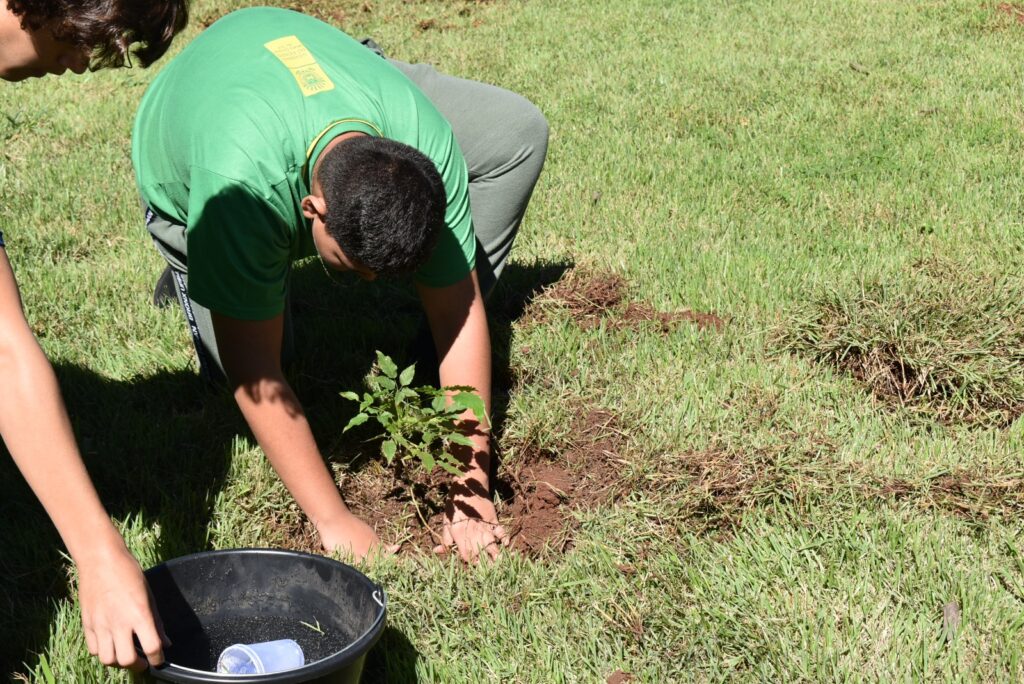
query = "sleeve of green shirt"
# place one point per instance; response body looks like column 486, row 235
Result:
column 455, row 254
column 238, row 253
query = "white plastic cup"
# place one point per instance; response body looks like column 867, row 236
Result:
column 262, row 658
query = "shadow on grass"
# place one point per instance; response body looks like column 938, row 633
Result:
column 159, row 446
column 339, row 327
column 31, row 571
column 392, row 660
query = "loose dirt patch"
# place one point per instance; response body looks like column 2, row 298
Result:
column 620, row 677
column 1013, row 10
column 941, row 341
column 976, row 495
column 713, row 490
column 538, row 490
column 716, row 488
column 593, row 299
column 544, row 489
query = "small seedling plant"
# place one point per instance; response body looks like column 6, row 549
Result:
column 420, row 424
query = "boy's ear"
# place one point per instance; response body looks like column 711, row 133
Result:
column 314, row 207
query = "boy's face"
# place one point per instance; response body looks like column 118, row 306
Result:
column 26, row 53
column 331, row 254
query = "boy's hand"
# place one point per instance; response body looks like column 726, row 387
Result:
column 116, row 605
column 471, row 525
column 349, row 535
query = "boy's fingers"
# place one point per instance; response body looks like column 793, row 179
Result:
column 90, row 641
column 139, row 666
column 151, row 644
column 467, row 555
column 124, row 649
column 105, row 649
column 447, row 542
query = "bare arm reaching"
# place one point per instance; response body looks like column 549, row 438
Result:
column 251, row 354
column 35, row 427
column 458, row 322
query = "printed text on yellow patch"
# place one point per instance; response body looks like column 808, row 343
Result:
column 294, row 55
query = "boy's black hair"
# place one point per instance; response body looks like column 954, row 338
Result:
column 385, row 203
column 108, row 28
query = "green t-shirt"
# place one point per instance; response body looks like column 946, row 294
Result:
column 227, row 133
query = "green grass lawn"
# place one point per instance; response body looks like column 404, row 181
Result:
column 839, row 181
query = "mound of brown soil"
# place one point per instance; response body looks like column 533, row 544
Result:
column 538, row 491
column 1014, row 10
column 545, row 489
column 592, row 299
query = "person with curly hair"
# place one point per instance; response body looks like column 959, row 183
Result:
column 39, row 37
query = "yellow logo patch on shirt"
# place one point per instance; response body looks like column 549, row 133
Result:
column 299, row 60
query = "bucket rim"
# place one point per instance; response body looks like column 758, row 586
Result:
column 318, row 668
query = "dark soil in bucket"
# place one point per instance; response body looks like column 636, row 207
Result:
column 213, row 599
column 200, row 649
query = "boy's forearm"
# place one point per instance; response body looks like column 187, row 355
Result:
column 34, row 424
column 468, row 363
column 279, row 424
column 35, row 427
column 251, row 353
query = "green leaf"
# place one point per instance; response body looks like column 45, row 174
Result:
column 357, row 419
column 459, row 438
column 451, row 468
column 428, row 460
column 387, row 366
column 458, row 388
column 439, row 402
column 407, row 375
column 352, row 396
column 387, row 449
column 473, row 402
column 386, row 383
column 405, row 393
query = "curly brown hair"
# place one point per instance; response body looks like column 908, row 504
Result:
column 108, row 28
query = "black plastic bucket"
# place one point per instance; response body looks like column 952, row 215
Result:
column 210, row 600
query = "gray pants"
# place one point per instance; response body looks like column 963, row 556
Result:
column 503, row 138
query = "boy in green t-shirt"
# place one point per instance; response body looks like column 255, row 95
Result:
column 39, row 37
column 274, row 136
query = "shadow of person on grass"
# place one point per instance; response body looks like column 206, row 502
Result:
column 31, row 571
column 157, row 447
column 338, row 329
column 392, row 660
